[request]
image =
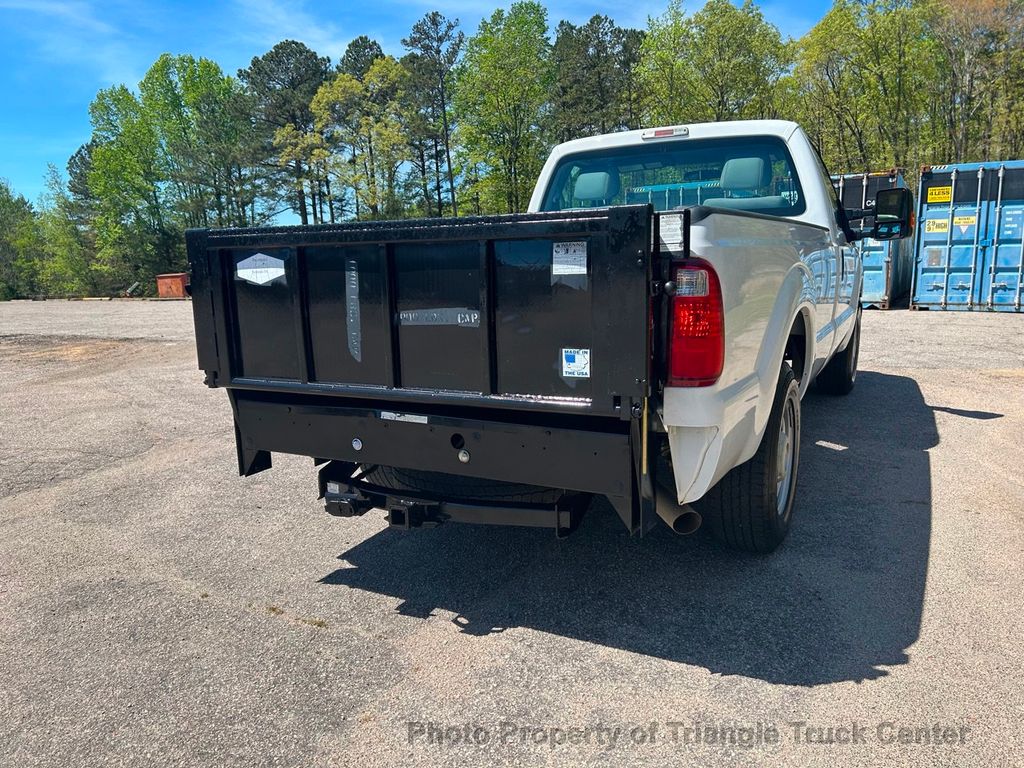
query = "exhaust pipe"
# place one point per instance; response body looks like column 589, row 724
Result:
column 681, row 518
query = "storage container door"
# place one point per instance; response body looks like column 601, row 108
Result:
column 1004, row 258
column 951, row 221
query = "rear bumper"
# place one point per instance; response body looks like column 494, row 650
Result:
column 582, row 456
column 347, row 494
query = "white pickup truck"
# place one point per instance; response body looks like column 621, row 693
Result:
column 644, row 333
column 766, row 302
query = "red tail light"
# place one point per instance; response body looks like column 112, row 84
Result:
column 696, row 345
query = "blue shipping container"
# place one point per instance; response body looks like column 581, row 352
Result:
column 888, row 264
column 970, row 249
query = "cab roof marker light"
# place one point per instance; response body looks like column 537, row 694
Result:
column 665, row 133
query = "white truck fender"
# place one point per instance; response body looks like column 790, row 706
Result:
column 728, row 422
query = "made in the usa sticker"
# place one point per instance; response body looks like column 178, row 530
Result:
column 576, row 363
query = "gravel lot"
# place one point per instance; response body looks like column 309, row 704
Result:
column 156, row 609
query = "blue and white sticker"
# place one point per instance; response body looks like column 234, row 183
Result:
column 576, row 363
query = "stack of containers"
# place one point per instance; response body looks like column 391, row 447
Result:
column 970, row 249
column 888, row 264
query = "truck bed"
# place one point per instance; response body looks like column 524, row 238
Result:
column 524, row 339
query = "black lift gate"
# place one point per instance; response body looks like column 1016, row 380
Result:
column 513, row 348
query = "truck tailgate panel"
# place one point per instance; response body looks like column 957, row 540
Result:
column 535, row 311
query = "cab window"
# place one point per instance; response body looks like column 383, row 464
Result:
column 746, row 174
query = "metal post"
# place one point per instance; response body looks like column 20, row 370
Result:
column 1020, row 270
column 918, row 237
column 860, row 245
column 995, row 240
column 976, row 244
column 887, row 250
column 949, row 236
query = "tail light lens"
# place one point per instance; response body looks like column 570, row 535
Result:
column 696, row 345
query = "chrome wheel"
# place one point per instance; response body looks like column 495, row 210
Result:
column 784, row 457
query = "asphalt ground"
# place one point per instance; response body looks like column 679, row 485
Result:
column 156, row 609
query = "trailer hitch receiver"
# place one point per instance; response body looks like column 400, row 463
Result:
column 407, row 514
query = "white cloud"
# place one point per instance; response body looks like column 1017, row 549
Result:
column 469, row 12
column 268, row 22
column 78, row 14
column 73, row 33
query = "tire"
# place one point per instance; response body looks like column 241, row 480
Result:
column 839, row 376
column 751, row 507
column 459, row 488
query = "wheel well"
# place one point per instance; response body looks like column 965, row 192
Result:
column 796, row 347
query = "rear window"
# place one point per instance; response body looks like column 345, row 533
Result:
column 747, row 174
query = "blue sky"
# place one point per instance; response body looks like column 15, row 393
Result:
column 55, row 54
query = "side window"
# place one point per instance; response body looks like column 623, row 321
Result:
column 826, row 179
column 833, row 193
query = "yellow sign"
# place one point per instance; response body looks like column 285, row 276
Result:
column 940, row 194
column 965, row 221
column 936, row 225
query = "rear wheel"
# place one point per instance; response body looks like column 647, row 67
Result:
column 751, row 507
column 839, row 376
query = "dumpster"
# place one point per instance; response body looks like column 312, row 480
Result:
column 888, row 265
column 171, row 285
column 970, row 250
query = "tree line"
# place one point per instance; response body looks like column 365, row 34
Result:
column 461, row 125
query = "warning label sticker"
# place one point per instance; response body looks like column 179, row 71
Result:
column 964, row 222
column 670, row 231
column 936, row 225
column 569, row 258
column 576, row 363
column 940, row 194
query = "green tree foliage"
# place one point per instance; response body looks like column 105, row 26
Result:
column 462, row 126
column 425, row 136
column 68, row 268
column 864, row 80
column 435, row 45
column 501, row 99
column 282, row 83
column 979, row 46
column 359, row 56
column 20, row 245
column 721, row 63
column 594, row 87
column 210, row 151
column 363, row 122
column 136, row 232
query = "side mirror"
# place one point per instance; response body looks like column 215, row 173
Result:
column 893, row 214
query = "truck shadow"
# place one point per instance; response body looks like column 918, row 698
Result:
column 841, row 600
